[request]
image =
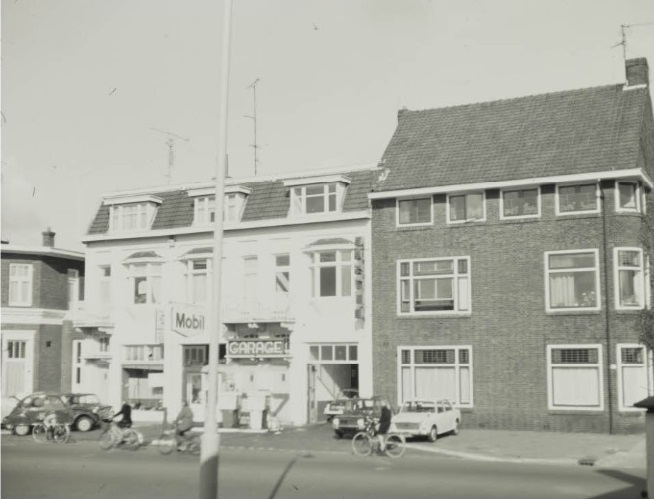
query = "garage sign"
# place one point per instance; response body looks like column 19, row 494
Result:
column 256, row 348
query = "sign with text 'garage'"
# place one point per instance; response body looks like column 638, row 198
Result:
column 188, row 320
column 256, row 348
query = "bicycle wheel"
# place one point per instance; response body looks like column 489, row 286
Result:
column 61, row 433
column 106, row 440
column 394, row 446
column 362, row 444
column 167, row 443
column 39, row 433
column 131, row 439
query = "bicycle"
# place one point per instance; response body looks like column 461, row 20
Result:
column 114, row 436
column 366, row 441
column 57, row 432
column 168, row 442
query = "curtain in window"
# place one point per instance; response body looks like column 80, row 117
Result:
column 575, row 386
column 628, row 288
column 562, row 290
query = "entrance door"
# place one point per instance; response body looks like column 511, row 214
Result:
column 17, row 362
column 196, row 394
column 311, row 396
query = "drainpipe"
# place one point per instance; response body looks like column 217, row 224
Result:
column 607, row 314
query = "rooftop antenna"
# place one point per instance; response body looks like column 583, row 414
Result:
column 171, row 149
column 253, row 117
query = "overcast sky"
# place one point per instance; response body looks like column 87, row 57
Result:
column 88, row 86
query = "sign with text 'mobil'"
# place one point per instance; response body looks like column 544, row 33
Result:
column 256, row 348
column 188, row 320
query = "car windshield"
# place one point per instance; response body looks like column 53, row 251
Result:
column 364, row 404
column 84, row 399
column 418, row 406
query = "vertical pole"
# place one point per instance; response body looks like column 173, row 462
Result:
column 210, row 439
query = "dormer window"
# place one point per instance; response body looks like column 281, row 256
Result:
column 132, row 213
column 205, row 210
column 205, row 206
column 317, row 195
column 234, row 204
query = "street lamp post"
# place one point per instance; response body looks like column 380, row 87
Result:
column 210, row 439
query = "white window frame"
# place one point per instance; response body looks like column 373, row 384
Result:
column 637, row 196
column 414, row 224
column 144, row 213
column 20, row 284
column 141, row 353
column 577, row 212
column 457, row 366
column 600, row 376
column 520, row 217
column 467, row 220
column 456, row 278
column 640, row 284
column 299, row 198
column 647, row 370
column 190, row 272
column 282, row 269
column 204, row 210
column 338, row 265
column 151, row 270
column 596, row 269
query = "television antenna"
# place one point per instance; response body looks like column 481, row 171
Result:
column 253, row 117
column 171, row 148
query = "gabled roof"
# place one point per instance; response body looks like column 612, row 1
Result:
column 269, row 199
column 570, row 132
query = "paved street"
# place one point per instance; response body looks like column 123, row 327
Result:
column 273, row 469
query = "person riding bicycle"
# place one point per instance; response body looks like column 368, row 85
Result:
column 126, row 413
column 384, row 425
column 183, row 423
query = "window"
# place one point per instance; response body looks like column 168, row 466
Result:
column 196, row 355
column 146, row 282
column 521, row 203
column 572, row 281
column 629, row 281
column 103, row 344
column 414, row 211
column 144, row 353
column 205, row 210
column 434, row 285
column 282, row 274
column 73, row 287
column 317, row 198
column 234, row 204
column 574, row 377
column 16, row 349
column 432, row 373
column 633, row 380
column 105, row 284
column 250, row 277
column 332, row 273
column 197, row 281
column 20, row 285
column 628, row 197
column 334, row 354
column 466, row 207
column 581, row 198
column 132, row 217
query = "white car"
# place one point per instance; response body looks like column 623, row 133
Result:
column 427, row 418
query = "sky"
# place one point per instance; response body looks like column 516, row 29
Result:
column 92, row 91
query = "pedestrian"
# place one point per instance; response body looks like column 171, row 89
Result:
column 126, row 413
column 183, row 423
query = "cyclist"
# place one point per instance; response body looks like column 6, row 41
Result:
column 384, row 425
column 126, row 413
column 183, row 423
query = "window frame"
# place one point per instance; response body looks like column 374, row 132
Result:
column 190, row 272
column 149, row 273
column 398, row 201
column 146, row 212
column 455, row 286
column 557, row 202
column 298, row 202
column 598, row 291
column 616, row 278
column 338, row 264
column 637, row 197
column 457, row 367
column 521, row 189
column 467, row 220
column 20, row 281
column 282, row 269
column 600, row 376
column 204, row 210
column 646, row 366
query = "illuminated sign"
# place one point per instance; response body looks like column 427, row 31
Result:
column 257, row 348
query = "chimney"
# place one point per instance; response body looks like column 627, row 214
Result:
column 48, row 238
column 637, row 72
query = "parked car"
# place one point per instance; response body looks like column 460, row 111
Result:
column 8, row 404
column 427, row 418
column 82, row 410
column 343, row 399
column 352, row 419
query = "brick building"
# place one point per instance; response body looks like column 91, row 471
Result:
column 39, row 286
column 510, row 263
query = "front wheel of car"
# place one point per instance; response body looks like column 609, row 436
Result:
column 21, row 429
column 433, row 434
column 455, row 430
column 84, row 423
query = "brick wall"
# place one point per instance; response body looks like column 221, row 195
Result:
column 508, row 329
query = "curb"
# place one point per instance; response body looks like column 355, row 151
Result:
column 482, row 457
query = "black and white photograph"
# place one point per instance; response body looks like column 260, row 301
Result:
column 327, row 249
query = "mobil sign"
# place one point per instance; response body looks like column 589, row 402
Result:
column 188, row 320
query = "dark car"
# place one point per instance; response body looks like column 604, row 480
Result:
column 82, row 410
column 341, row 403
column 353, row 418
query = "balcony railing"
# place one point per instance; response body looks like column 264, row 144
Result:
column 274, row 309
